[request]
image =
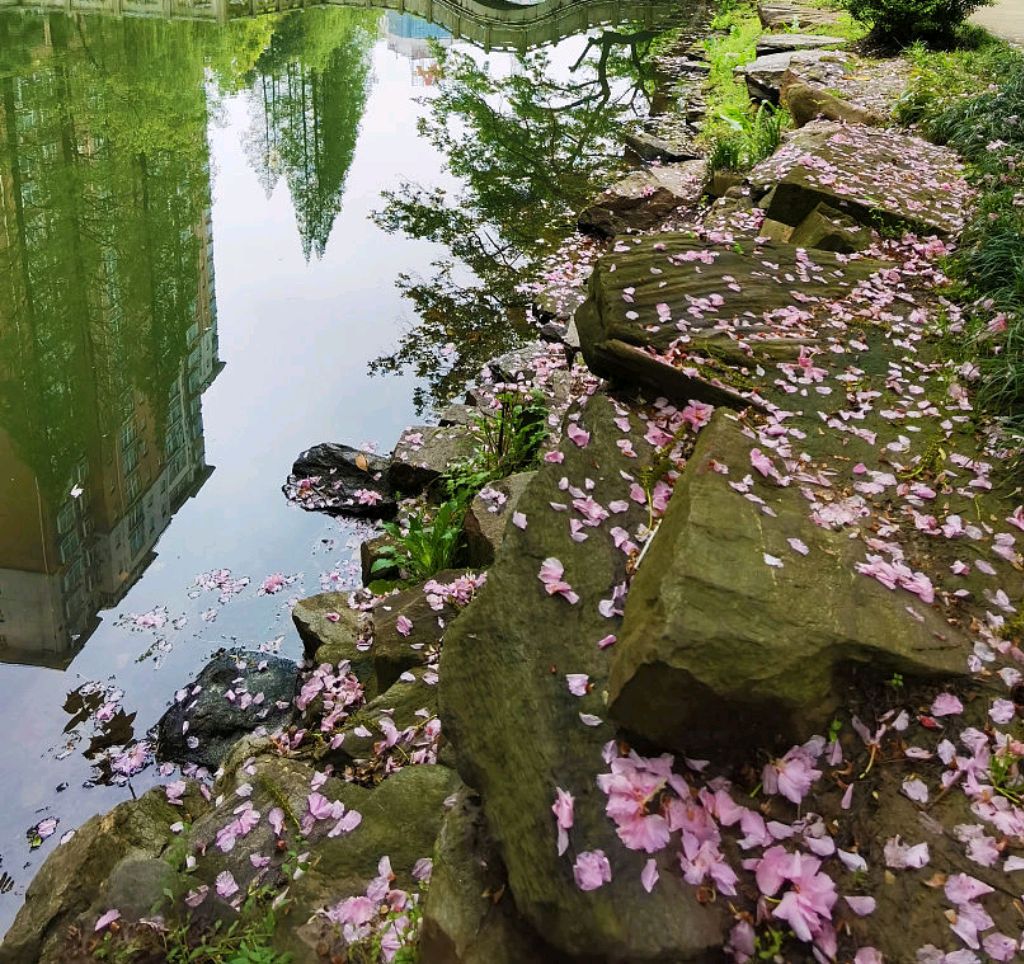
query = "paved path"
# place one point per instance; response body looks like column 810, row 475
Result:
column 1005, row 19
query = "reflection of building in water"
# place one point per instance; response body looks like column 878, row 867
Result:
column 412, row 38
column 108, row 339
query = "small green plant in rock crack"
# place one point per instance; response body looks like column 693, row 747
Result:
column 509, row 440
column 425, row 545
column 1004, row 771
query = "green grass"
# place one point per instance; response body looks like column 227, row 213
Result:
column 973, row 100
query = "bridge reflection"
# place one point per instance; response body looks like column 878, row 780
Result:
column 491, row 24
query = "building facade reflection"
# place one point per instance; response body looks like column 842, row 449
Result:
column 108, row 325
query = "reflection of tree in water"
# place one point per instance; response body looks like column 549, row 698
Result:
column 102, row 145
column 530, row 150
column 308, row 94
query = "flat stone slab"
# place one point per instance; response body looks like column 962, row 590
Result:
column 789, row 14
column 764, row 75
column 730, row 631
column 672, row 294
column 773, row 43
column 879, row 177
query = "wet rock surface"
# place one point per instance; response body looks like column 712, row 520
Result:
column 75, row 876
column 341, row 480
column 237, row 692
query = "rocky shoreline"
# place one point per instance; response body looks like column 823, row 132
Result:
column 730, row 672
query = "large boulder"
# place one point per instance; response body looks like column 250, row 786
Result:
column 878, row 177
column 673, row 298
column 643, row 199
column 341, row 480
column 469, row 916
column 72, row 878
column 517, row 729
column 488, row 517
column 722, row 650
column 407, row 629
column 827, row 229
column 400, row 819
column 236, row 693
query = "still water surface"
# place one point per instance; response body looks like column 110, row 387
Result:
column 192, row 290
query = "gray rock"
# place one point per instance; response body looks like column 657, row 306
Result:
column 827, row 229
column 764, row 75
column 214, row 720
column 327, row 478
column 643, row 199
column 394, row 652
column 878, row 177
column 721, row 652
column 650, row 147
column 469, row 916
column 629, row 341
column 457, row 414
column 330, row 640
column 424, row 453
column 807, row 102
column 516, row 729
column 487, row 518
column 68, row 882
column 775, row 43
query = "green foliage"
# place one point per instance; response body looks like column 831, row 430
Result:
column 530, row 149
column 246, row 940
column 737, row 27
column 974, row 101
column 509, row 440
column 901, row 22
column 403, row 926
column 748, row 137
column 424, row 546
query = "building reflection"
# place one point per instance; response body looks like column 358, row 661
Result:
column 108, row 323
column 414, row 39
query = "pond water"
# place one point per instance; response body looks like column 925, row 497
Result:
column 193, row 288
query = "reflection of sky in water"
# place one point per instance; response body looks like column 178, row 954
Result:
column 294, row 332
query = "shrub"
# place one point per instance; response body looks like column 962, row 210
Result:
column 901, row 22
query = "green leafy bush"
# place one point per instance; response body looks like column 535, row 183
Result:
column 901, row 22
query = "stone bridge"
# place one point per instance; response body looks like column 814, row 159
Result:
column 491, row 24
